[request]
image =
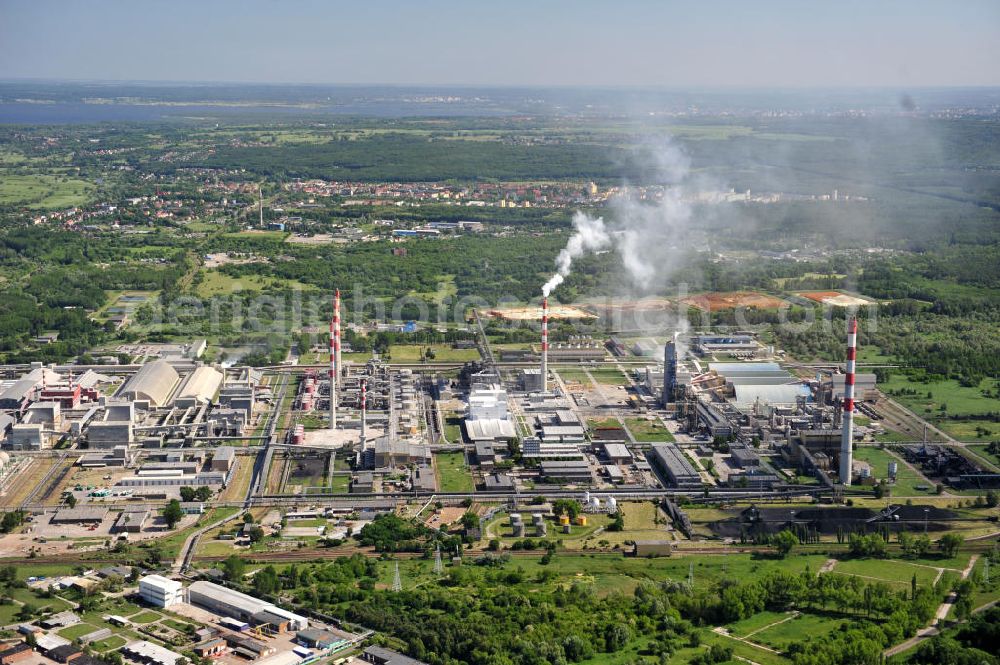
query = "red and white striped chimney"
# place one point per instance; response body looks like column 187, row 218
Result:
column 336, row 323
column 333, row 369
column 545, row 344
column 847, row 431
column 364, row 411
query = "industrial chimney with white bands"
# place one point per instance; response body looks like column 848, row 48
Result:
column 847, row 433
column 333, row 367
column 336, row 330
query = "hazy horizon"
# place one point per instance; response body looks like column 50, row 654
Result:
column 723, row 44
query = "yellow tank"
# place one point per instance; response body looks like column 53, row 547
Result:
column 564, row 519
column 581, row 520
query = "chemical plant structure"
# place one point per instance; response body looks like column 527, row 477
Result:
column 717, row 417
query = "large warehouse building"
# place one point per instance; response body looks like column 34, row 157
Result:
column 669, row 459
column 155, row 382
column 240, row 606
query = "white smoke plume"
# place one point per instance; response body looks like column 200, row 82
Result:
column 590, row 235
column 650, row 236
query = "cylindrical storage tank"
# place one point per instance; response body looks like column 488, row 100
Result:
column 518, row 530
column 566, row 528
column 612, row 504
column 581, row 520
column 564, row 519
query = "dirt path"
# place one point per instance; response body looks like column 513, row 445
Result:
column 719, row 630
column 931, row 630
column 827, row 566
column 790, row 616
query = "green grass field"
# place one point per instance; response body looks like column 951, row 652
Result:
column 609, row 377
column 780, row 635
column 452, row 472
column 109, row 643
column 907, row 481
column 574, row 375
column 756, row 623
column 145, row 617
column 43, row 191
column 28, row 596
column 957, row 399
column 453, row 429
column 77, row 631
column 648, row 430
column 442, row 353
column 258, row 235
column 891, row 571
column 215, row 283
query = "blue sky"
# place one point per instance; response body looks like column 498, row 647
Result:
column 545, row 42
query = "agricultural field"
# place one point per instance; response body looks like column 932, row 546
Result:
column 43, row 192
column 452, row 472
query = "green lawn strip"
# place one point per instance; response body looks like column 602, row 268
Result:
column 29, row 596
column 108, row 643
column 780, row 635
column 890, row 571
column 648, row 430
column 77, row 631
column 757, row 622
column 452, row 472
column 907, row 481
column 743, row 650
column 145, row 617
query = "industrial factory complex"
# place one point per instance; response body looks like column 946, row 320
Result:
column 642, row 444
column 98, row 450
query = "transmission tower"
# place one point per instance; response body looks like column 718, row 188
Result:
column 397, row 584
column 691, row 575
column 986, row 570
column 438, row 566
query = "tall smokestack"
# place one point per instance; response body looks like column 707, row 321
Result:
column 333, row 370
column 847, row 430
column 336, row 323
column 545, row 344
column 260, row 200
column 670, row 370
column 364, row 411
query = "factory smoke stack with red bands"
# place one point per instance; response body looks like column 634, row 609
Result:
column 847, row 433
column 333, row 366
